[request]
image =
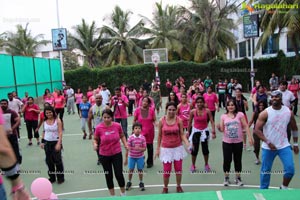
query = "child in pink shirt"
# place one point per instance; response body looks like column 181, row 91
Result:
column 136, row 145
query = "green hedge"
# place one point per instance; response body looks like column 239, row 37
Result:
column 135, row 75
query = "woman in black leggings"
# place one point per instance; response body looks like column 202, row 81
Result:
column 110, row 133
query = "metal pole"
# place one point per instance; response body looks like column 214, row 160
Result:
column 60, row 52
column 252, row 68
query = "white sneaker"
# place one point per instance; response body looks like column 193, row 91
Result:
column 239, row 182
column 257, row 162
column 226, row 181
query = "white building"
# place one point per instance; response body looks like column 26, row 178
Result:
column 270, row 49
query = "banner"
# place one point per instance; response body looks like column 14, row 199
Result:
column 251, row 27
column 59, row 39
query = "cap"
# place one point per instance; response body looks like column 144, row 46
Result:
column 276, row 93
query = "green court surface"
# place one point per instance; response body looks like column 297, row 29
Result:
column 85, row 179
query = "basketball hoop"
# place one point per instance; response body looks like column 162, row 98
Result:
column 155, row 59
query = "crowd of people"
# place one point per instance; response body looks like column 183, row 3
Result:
column 181, row 130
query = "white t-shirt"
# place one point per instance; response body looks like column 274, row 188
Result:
column 287, row 97
column 15, row 105
column 275, row 129
column 70, row 92
column 105, row 95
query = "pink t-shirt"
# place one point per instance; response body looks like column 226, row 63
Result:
column 184, row 114
column 210, row 100
column 294, row 88
column 1, row 123
column 78, row 98
column 119, row 105
column 170, row 134
column 89, row 94
column 253, row 91
column 110, row 138
column 49, row 100
column 133, row 142
column 233, row 132
column 147, row 124
column 200, row 121
column 31, row 115
column 151, row 104
column 132, row 95
column 92, row 100
column 59, row 101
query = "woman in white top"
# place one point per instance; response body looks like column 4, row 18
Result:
column 52, row 144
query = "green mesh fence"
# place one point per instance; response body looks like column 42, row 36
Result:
column 28, row 74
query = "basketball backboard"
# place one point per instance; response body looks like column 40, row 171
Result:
column 155, row 55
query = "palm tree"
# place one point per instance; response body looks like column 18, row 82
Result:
column 22, row 42
column 207, row 28
column 163, row 29
column 270, row 22
column 87, row 38
column 122, row 47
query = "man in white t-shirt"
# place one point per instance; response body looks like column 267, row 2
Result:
column 105, row 93
column 288, row 100
column 15, row 105
column 71, row 100
column 271, row 127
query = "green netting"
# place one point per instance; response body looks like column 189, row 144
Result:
column 7, row 72
column 41, row 88
column 32, row 75
column 24, row 70
column 55, row 70
column 31, row 89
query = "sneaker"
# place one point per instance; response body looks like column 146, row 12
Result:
column 257, row 162
column 179, row 189
column 150, row 165
column 128, row 185
column 98, row 162
column 244, row 146
column 90, row 136
column 226, row 181
column 207, row 168
column 51, row 180
column 193, row 168
column 60, row 181
column 239, row 182
column 84, row 136
column 38, row 143
column 142, row 186
column 165, row 191
column 30, row 143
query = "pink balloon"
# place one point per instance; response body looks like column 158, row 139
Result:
column 41, row 188
column 53, row 196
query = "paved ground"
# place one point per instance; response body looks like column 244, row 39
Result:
column 84, row 177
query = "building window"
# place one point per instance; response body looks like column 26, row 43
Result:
column 290, row 47
column 272, row 45
column 242, row 49
column 236, row 52
column 45, row 54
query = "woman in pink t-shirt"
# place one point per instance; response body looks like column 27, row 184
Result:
column 110, row 133
column 200, row 132
column 169, row 145
column 31, row 112
column 146, row 116
column 78, row 98
column 59, row 105
column 232, row 124
column 211, row 100
column 49, row 99
column 294, row 88
column 89, row 92
column 183, row 111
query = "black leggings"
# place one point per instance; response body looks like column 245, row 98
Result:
column 130, row 106
column 13, row 140
column 77, row 106
column 196, row 143
column 60, row 112
column 31, row 125
column 54, row 162
column 116, row 162
column 256, row 144
column 150, row 154
column 234, row 150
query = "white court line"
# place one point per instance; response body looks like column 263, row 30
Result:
column 171, row 185
column 259, row 196
column 219, row 195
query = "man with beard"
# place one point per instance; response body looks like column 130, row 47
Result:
column 11, row 124
column 95, row 115
column 271, row 128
